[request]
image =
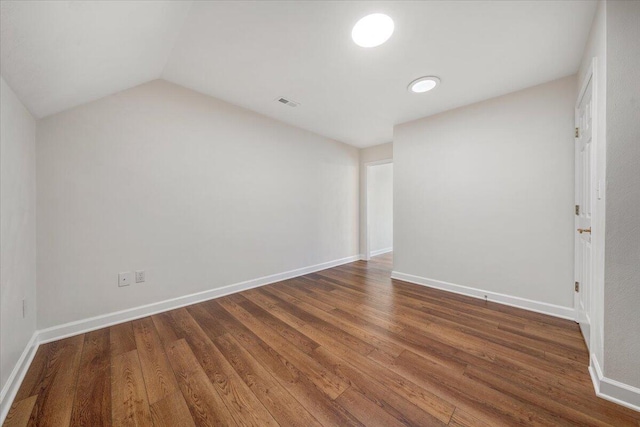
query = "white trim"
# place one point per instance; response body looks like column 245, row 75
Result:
column 585, row 319
column 381, row 251
column 86, row 325
column 379, row 162
column 605, row 388
column 527, row 304
column 588, row 76
column 16, row 377
column 598, row 222
column 612, row 390
column 367, row 253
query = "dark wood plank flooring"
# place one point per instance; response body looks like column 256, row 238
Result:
column 344, row 346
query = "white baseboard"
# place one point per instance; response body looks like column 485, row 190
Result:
column 612, row 390
column 527, row 304
column 381, row 251
column 10, row 389
column 605, row 388
column 86, row 325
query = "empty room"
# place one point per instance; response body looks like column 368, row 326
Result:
column 320, row 213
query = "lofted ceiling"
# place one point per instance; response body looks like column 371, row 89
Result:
column 56, row 55
column 59, row 54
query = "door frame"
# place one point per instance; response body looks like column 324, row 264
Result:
column 367, row 236
column 596, row 235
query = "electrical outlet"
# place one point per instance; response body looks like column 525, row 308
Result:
column 125, row 279
column 139, row 276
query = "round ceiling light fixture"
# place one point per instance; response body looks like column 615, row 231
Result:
column 423, row 84
column 372, row 30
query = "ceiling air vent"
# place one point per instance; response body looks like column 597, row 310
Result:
column 288, row 102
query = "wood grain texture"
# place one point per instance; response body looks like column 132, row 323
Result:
column 346, row 346
column 282, row 405
column 122, row 339
column 130, row 406
column 20, row 412
column 206, row 406
column 241, row 402
column 171, row 411
column 158, row 376
column 328, row 383
column 56, row 392
column 92, row 404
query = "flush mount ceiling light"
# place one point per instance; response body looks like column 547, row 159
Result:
column 372, row 30
column 423, row 84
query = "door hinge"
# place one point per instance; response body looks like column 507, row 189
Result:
column 577, row 209
column 577, row 287
column 577, row 132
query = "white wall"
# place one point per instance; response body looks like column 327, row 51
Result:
column 370, row 154
column 484, row 195
column 195, row 191
column 597, row 48
column 380, row 197
column 17, row 229
column 622, row 254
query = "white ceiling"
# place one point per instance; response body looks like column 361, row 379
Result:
column 56, row 55
column 59, row 54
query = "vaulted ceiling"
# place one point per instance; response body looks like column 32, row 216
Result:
column 60, row 54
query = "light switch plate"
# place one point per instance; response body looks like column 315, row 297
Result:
column 125, row 279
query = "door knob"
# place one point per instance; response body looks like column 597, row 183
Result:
column 584, row 230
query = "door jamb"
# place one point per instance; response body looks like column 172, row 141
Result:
column 590, row 76
column 367, row 240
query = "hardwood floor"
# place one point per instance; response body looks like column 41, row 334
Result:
column 344, row 346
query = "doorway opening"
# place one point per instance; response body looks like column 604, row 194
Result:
column 379, row 208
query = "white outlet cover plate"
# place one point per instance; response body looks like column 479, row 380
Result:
column 139, row 276
column 125, row 279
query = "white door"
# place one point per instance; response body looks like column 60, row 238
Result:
column 584, row 183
